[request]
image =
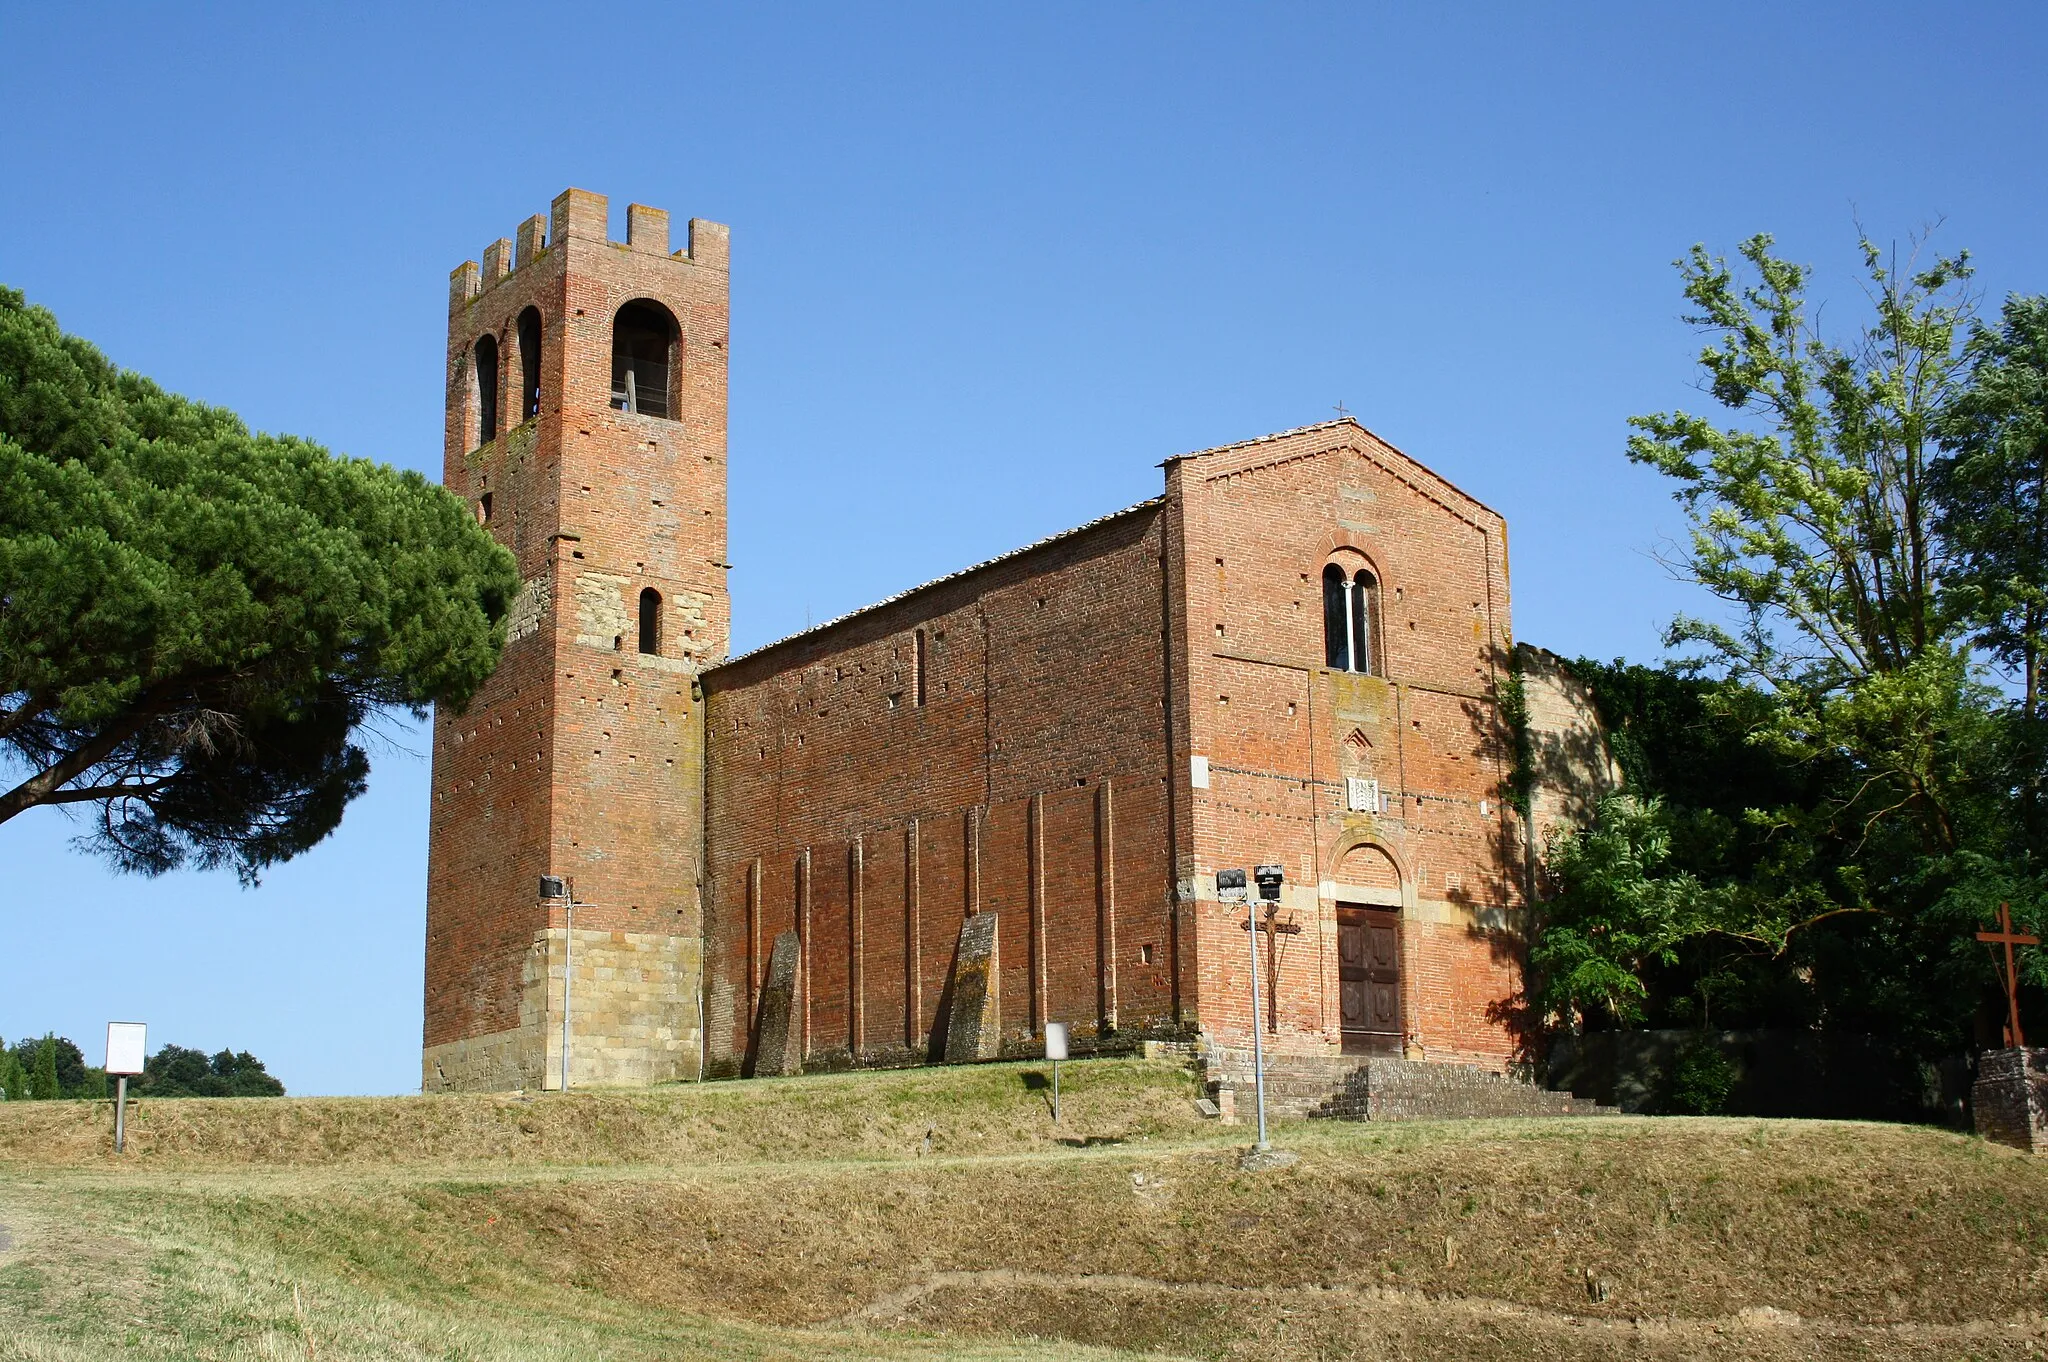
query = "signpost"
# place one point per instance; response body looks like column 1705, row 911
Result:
column 126, row 1042
column 556, row 887
column 1055, row 1050
column 2007, row 937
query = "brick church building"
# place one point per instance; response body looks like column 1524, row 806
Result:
column 1293, row 654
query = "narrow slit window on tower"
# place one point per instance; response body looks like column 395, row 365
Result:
column 483, row 509
column 487, row 389
column 650, row 621
column 917, row 668
column 643, row 337
column 529, row 363
column 1336, row 619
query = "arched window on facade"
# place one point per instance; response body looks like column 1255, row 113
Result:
column 487, row 389
column 643, row 337
column 529, row 363
column 650, row 621
column 1364, row 597
column 1349, row 600
column 1336, row 619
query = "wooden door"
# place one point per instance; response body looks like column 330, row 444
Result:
column 1369, row 979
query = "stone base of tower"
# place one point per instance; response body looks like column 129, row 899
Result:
column 635, row 1018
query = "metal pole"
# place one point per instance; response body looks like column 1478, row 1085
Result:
column 568, row 962
column 1251, row 935
column 120, row 1112
column 1055, row 1092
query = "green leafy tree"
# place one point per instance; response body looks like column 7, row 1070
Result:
column 42, row 1080
column 1812, row 516
column 195, row 620
column 13, row 1078
column 1619, row 910
column 1992, row 492
column 175, row 1071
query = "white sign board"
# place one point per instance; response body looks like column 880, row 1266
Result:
column 1055, row 1040
column 125, row 1044
column 1361, row 796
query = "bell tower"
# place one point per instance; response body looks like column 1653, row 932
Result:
column 586, row 420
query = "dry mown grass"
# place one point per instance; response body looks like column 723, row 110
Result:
column 1561, row 1239
column 987, row 1109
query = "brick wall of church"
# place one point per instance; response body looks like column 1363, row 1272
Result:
column 1281, row 733
column 1031, row 782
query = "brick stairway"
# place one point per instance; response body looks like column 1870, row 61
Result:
column 1355, row 1088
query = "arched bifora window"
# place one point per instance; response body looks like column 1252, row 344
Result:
column 643, row 338
column 1349, row 600
column 529, row 363
column 650, row 621
column 487, row 389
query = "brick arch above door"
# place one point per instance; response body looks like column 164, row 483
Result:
column 1366, row 872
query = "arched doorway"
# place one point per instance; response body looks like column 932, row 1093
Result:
column 1369, row 952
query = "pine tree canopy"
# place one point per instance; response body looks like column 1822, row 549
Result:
column 195, row 619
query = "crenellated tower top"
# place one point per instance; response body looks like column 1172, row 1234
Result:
column 582, row 215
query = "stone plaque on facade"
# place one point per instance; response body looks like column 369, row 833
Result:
column 778, row 1047
column 974, row 1030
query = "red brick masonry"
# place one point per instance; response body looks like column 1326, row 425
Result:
column 1075, row 737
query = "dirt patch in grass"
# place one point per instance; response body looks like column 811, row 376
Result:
column 982, row 1109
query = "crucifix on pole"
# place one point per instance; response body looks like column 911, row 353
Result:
column 1274, row 930
column 2007, row 937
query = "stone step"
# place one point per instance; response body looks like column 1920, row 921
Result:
column 1382, row 1089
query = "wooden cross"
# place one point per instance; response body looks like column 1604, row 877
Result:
column 1274, row 930
column 2007, row 937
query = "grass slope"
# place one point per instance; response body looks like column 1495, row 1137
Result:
column 939, row 1213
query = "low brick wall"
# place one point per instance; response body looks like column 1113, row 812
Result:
column 1357, row 1088
column 2010, row 1098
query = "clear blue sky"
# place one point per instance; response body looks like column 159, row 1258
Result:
column 992, row 263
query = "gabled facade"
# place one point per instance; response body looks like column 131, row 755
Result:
column 1292, row 655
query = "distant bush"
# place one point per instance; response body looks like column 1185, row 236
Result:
column 46, row 1068
column 1701, row 1079
column 54, row 1067
column 175, row 1071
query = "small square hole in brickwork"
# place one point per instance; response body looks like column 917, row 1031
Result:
column 1290, row 709
column 1145, row 952
column 1219, row 631
column 1222, row 699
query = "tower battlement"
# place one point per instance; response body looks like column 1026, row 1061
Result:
column 582, row 215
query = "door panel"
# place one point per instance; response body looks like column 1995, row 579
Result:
column 1369, row 979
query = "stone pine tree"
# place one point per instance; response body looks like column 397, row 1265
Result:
column 195, row 619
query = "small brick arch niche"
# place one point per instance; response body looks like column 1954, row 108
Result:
column 1367, row 874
